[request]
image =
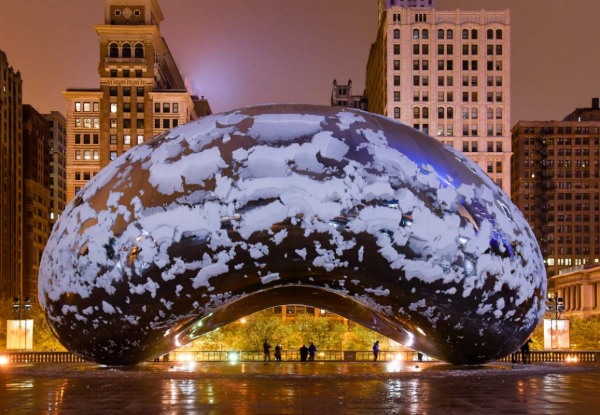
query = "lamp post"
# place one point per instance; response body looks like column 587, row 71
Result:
column 554, row 304
column 22, row 307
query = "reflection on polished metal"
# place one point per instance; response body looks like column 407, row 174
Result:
column 278, row 204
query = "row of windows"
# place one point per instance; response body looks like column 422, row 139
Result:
column 126, row 139
column 449, row 34
column 87, row 123
column 113, row 91
column 114, row 73
column 114, row 107
column 560, row 130
column 87, row 155
column 86, row 175
column 166, row 123
column 87, row 106
column 566, row 141
column 125, row 50
column 86, row 139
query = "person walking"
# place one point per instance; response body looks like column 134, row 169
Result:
column 303, row 353
column 376, row 351
column 312, row 349
column 267, row 350
column 278, row 352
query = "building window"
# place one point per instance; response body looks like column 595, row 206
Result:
column 175, row 122
column 474, row 34
column 396, row 96
column 166, row 107
column 498, row 33
column 465, row 34
column 396, row 33
column 127, row 140
column 139, row 50
column 86, row 139
column 87, row 155
column 77, row 106
column 113, row 107
column 139, row 107
column 126, row 50
column 113, row 139
column 396, row 80
column 113, row 123
column 113, row 50
column 127, row 107
column 449, row 34
column 396, row 49
column 415, row 33
column 490, row 34
column 127, row 91
column 175, row 107
column 126, row 123
column 416, row 112
column 113, row 155
column 96, row 107
column 140, row 139
column 156, row 123
column 139, row 123
column 440, row 34
column 425, row 34
column 112, row 91
column 166, row 123
column 138, row 73
column 140, row 91
column 157, row 107
column 77, row 154
column 77, row 175
column 96, row 155
column 126, row 73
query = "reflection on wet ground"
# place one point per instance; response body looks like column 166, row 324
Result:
column 299, row 388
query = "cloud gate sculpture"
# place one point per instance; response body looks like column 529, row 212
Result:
column 292, row 204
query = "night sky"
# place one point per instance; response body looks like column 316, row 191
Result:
column 241, row 53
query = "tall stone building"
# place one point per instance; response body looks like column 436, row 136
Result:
column 446, row 73
column 36, row 203
column 58, row 164
column 141, row 94
column 11, row 188
column 556, row 184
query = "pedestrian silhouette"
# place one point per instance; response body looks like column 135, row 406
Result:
column 267, row 350
column 525, row 354
column 278, row 352
column 376, row 351
column 303, row 353
column 311, row 352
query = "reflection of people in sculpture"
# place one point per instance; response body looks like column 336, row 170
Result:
column 278, row 352
column 267, row 350
column 525, row 351
column 376, row 351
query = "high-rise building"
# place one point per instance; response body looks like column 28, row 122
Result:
column 58, row 164
column 556, row 184
column 446, row 73
column 36, row 203
column 141, row 94
column 11, row 189
column 342, row 96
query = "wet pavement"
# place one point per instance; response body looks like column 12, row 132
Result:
column 300, row 388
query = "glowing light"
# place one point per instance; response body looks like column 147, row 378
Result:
column 233, row 357
column 571, row 359
column 243, row 320
column 3, row 360
column 184, row 357
column 420, row 330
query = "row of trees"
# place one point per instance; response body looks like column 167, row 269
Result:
column 328, row 333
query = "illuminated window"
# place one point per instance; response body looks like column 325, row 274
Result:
column 87, row 155
column 96, row 106
column 140, row 139
column 113, row 107
column 113, row 123
column 127, row 139
column 96, row 155
column 113, row 155
column 77, row 106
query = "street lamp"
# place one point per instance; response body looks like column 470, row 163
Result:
column 556, row 305
column 22, row 306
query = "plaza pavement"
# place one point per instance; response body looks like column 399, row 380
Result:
column 300, row 388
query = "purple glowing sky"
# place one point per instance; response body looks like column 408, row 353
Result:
column 250, row 52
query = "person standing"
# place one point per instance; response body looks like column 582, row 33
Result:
column 312, row 349
column 376, row 351
column 278, row 352
column 267, row 350
column 525, row 353
column 303, row 353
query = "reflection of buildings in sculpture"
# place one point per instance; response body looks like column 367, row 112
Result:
column 556, row 170
column 580, row 290
column 141, row 92
column 11, row 172
column 341, row 96
column 36, row 202
column 446, row 73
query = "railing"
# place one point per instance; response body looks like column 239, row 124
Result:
column 566, row 356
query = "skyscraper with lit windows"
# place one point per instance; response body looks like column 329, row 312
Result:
column 446, row 73
column 141, row 94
